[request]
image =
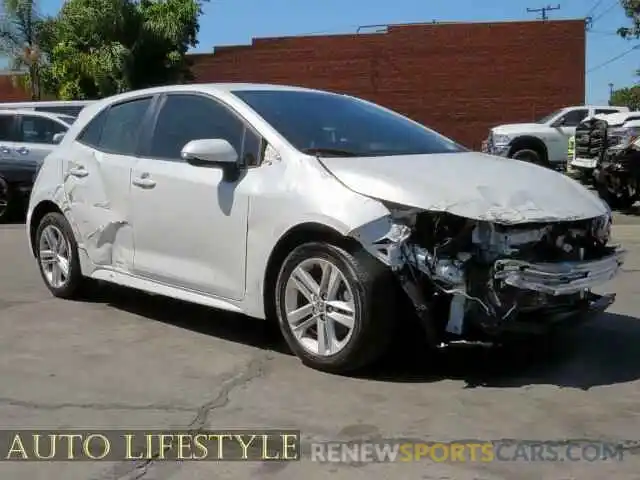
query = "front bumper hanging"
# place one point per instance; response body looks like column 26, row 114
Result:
column 559, row 278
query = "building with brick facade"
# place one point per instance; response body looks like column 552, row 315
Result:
column 458, row 78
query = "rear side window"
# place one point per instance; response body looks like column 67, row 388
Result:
column 117, row 130
column 91, row 134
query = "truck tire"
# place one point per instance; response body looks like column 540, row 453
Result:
column 527, row 155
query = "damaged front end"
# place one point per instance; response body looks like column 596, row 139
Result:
column 477, row 281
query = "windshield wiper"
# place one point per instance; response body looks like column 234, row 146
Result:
column 330, row 151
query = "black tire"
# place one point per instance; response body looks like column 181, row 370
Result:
column 6, row 201
column 528, row 155
column 74, row 283
column 615, row 201
column 374, row 299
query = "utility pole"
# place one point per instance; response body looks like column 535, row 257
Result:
column 543, row 11
column 610, row 91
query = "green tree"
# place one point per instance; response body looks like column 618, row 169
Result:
column 626, row 97
column 19, row 27
column 97, row 48
column 632, row 11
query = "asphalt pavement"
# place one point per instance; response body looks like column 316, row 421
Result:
column 129, row 360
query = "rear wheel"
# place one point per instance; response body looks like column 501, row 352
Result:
column 335, row 308
column 57, row 253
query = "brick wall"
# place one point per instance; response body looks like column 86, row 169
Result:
column 459, row 79
column 10, row 91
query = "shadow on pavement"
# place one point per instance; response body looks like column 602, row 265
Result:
column 604, row 352
column 208, row 321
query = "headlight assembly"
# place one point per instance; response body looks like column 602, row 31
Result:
column 501, row 140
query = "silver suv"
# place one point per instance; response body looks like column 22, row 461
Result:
column 26, row 138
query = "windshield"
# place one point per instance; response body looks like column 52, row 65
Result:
column 546, row 118
column 327, row 124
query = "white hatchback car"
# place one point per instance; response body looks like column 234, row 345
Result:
column 321, row 210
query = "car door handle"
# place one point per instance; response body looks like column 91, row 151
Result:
column 4, row 149
column 78, row 172
column 144, row 182
column 22, row 150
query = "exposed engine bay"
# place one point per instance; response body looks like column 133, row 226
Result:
column 474, row 280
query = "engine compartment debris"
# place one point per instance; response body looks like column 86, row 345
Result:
column 471, row 279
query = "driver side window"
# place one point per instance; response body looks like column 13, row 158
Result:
column 186, row 117
column 572, row 118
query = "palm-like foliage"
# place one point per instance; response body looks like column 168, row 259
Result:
column 102, row 47
column 19, row 27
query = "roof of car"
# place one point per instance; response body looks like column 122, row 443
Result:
column 38, row 113
column 216, row 89
column 202, row 87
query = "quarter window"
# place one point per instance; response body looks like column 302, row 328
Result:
column 185, row 117
column 35, row 129
column 122, row 126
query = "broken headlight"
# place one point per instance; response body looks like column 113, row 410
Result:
column 621, row 137
column 601, row 227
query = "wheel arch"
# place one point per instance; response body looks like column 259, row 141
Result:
column 292, row 238
column 531, row 142
column 40, row 210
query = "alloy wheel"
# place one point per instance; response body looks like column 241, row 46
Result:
column 319, row 306
column 54, row 254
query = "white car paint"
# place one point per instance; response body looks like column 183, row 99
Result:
column 498, row 191
column 551, row 132
column 194, row 237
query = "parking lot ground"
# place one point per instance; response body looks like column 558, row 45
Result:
column 129, row 360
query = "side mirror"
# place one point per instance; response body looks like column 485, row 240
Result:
column 57, row 138
column 214, row 152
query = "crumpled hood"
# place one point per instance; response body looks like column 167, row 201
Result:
column 471, row 185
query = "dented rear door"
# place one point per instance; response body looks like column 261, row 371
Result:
column 97, row 183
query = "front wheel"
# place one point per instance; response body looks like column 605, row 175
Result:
column 335, row 308
column 528, row 155
column 57, row 253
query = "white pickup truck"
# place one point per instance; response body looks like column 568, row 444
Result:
column 544, row 142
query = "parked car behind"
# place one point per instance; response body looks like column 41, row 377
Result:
column 26, row 137
column 60, row 107
column 323, row 211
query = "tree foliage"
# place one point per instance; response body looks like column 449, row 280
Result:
column 97, row 48
column 632, row 11
column 626, row 97
column 19, row 26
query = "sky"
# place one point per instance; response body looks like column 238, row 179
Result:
column 236, row 22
